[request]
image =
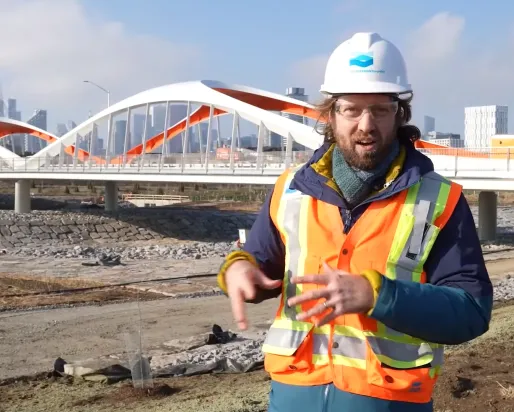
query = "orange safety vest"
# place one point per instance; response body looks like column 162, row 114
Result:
column 358, row 354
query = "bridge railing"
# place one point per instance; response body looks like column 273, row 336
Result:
column 139, row 196
column 449, row 160
column 159, row 162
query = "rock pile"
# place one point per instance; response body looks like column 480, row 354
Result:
column 236, row 356
column 504, row 290
column 193, row 250
column 60, row 228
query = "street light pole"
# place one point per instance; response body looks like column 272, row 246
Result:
column 109, row 121
column 101, row 88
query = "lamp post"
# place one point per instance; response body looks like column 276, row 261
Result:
column 101, row 88
column 108, row 105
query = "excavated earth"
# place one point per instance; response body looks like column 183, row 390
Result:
column 478, row 376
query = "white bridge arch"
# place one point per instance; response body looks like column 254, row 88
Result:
column 214, row 99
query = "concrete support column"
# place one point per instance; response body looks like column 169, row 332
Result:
column 487, row 215
column 22, row 196
column 111, row 196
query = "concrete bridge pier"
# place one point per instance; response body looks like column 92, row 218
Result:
column 487, row 215
column 22, row 202
column 111, row 196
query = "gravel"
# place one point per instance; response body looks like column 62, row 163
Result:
column 504, row 289
column 195, row 250
column 245, row 352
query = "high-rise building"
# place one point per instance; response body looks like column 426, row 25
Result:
column 177, row 113
column 34, row 144
column 428, row 125
column 2, row 104
column 62, row 129
column 16, row 141
column 137, row 130
column 39, row 119
column 12, row 113
column 279, row 142
column 445, row 139
column 120, row 128
column 483, row 122
column 158, row 113
column 297, row 93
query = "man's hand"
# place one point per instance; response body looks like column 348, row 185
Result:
column 343, row 293
column 243, row 279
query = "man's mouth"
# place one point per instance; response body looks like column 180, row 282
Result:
column 367, row 144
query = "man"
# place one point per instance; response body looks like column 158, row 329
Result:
column 375, row 256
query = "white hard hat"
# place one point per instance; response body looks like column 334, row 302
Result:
column 366, row 63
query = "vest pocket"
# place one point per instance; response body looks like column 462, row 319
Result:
column 399, row 366
column 288, row 350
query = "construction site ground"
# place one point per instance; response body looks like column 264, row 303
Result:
column 477, row 376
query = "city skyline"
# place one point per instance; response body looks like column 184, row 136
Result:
column 482, row 123
column 457, row 55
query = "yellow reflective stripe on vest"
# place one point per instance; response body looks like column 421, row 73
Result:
column 286, row 334
column 415, row 236
column 425, row 202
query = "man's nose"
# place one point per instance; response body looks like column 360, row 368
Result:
column 366, row 123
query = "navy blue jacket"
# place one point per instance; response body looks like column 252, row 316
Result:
column 455, row 304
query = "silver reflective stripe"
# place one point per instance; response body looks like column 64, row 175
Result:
column 285, row 338
column 420, row 220
column 428, row 192
column 427, row 196
column 320, row 344
column 289, row 335
column 348, row 346
column 438, row 356
column 291, row 225
column 402, row 352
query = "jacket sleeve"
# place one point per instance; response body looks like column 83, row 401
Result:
column 455, row 304
column 264, row 248
column 265, row 245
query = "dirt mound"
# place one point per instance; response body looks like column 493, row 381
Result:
column 480, row 376
column 30, row 291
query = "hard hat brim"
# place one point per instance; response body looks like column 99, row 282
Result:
column 365, row 88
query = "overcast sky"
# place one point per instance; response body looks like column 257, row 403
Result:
column 457, row 53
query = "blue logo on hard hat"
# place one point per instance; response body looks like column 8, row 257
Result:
column 362, row 60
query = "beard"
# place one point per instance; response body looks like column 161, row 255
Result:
column 364, row 151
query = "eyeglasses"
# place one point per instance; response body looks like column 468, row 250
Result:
column 377, row 111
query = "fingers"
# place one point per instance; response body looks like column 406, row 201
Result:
column 265, row 282
column 246, row 290
column 316, row 310
column 238, row 308
column 315, row 279
column 308, row 296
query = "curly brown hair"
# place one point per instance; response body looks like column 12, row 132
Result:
column 326, row 109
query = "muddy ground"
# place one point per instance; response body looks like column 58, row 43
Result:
column 477, row 377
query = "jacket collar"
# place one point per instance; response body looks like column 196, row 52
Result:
column 315, row 179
